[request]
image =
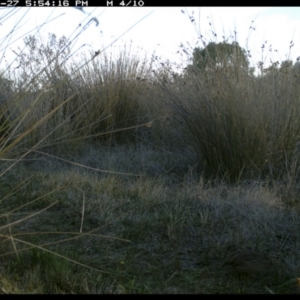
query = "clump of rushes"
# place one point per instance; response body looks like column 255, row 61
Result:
column 44, row 108
column 240, row 124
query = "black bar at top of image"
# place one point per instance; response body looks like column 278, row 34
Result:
column 121, row 3
column 95, row 3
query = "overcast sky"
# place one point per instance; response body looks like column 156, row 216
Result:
column 162, row 31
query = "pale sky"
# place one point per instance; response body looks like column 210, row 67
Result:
column 162, row 31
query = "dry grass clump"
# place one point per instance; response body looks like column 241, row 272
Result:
column 102, row 100
column 43, row 112
column 240, row 124
column 236, row 130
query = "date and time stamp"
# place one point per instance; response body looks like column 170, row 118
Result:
column 66, row 3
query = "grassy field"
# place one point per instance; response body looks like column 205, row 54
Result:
column 116, row 179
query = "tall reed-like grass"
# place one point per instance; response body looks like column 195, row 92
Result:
column 240, row 124
column 54, row 104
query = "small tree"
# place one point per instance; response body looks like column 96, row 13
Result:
column 221, row 55
column 50, row 58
